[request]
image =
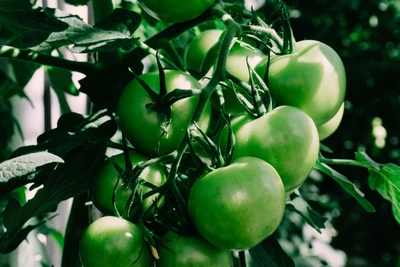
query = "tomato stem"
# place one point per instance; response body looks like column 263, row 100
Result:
column 47, row 60
column 271, row 33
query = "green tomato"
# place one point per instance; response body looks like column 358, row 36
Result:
column 114, row 242
column 141, row 125
column 190, row 251
column 173, row 11
column 201, row 56
column 285, row 137
column 313, row 79
column 328, row 128
column 103, row 184
column 238, row 206
column 199, row 47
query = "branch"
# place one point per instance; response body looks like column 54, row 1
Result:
column 13, row 53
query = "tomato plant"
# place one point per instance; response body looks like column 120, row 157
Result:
column 109, row 182
column 286, row 137
column 232, row 156
column 142, row 125
column 176, row 250
column 112, row 241
column 175, row 11
column 237, row 206
column 312, row 79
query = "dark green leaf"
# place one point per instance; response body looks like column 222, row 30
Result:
column 21, row 235
column 23, row 71
column 269, row 253
column 300, row 206
column 346, row 184
column 66, row 181
column 61, row 81
column 15, row 5
column 385, row 178
column 8, row 87
column 105, row 87
column 23, row 165
column 49, row 28
column 96, row 128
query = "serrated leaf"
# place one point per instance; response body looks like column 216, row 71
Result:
column 300, row 206
column 384, row 178
column 23, row 165
column 96, row 128
column 49, row 28
column 269, row 253
column 346, row 184
column 66, row 181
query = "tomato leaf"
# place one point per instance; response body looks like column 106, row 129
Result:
column 16, row 172
column 48, row 28
column 300, row 206
column 346, row 184
column 93, row 129
column 66, row 181
column 15, row 5
column 384, row 178
column 268, row 253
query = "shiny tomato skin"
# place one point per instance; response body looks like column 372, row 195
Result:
column 102, row 186
column 285, row 137
column 114, row 242
column 141, row 125
column 191, row 251
column 237, row 206
column 173, row 11
column 328, row 128
column 312, row 78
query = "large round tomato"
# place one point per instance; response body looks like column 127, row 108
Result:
column 141, row 124
column 191, row 251
column 328, row 128
column 173, row 11
column 238, row 206
column 103, row 184
column 114, row 242
column 201, row 55
column 285, row 137
column 199, row 47
column 312, row 78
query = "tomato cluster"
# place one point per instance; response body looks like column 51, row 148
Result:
column 240, row 173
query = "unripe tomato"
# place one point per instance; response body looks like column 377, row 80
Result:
column 173, row 11
column 285, row 137
column 238, row 206
column 199, row 47
column 328, row 128
column 141, row 125
column 114, row 242
column 201, row 55
column 313, row 79
column 191, row 251
column 103, row 184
